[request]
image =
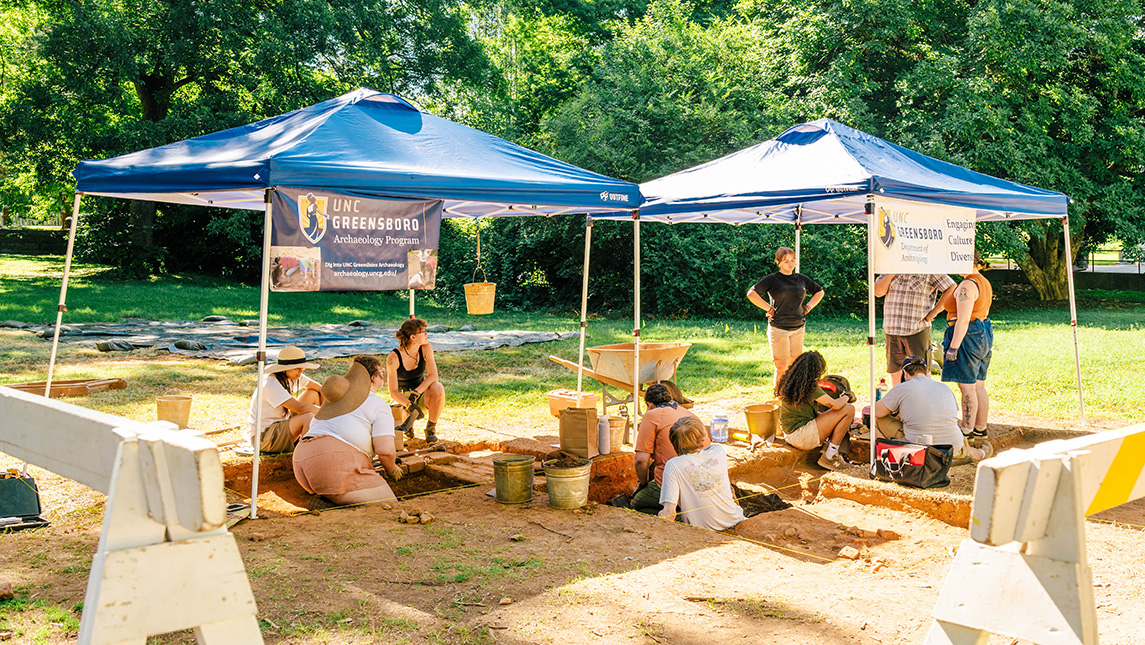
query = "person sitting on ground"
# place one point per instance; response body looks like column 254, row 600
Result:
column 334, row 458
column 284, row 417
column 412, row 378
column 653, row 447
column 808, row 415
column 696, row 481
column 924, row 411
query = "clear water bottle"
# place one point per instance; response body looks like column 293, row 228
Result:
column 719, row 427
column 881, row 389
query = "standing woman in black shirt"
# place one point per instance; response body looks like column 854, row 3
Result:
column 782, row 296
column 412, row 378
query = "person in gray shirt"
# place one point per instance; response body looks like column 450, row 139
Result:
column 923, row 410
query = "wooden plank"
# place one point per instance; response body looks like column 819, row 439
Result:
column 74, row 387
column 37, row 429
column 171, row 586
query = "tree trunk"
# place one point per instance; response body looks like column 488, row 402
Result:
column 143, row 223
column 154, row 93
column 1045, row 263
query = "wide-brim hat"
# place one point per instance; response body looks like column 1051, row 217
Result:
column 289, row 358
column 343, row 394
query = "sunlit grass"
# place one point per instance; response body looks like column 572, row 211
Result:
column 1032, row 370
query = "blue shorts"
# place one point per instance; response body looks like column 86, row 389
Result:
column 973, row 354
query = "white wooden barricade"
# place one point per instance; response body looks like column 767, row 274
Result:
column 165, row 560
column 1024, row 572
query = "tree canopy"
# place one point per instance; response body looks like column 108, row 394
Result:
column 1048, row 93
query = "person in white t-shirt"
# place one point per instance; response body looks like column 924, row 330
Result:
column 284, row 417
column 923, row 410
column 696, row 481
column 335, row 457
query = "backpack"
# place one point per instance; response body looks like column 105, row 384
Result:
column 836, row 386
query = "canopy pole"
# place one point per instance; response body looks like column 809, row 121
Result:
column 411, row 312
column 636, row 317
column 798, row 235
column 263, row 305
column 871, row 318
column 583, row 303
column 1073, row 316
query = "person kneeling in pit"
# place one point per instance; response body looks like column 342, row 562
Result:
column 334, row 458
column 924, row 411
column 653, row 446
column 696, row 481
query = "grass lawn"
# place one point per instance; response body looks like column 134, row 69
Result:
column 1032, row 371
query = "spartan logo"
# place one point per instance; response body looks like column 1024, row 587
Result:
column 886, row 228
column 312, row 217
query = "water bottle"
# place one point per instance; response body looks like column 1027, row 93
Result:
column 881, row 389
column 719, row 427
column 602, row 435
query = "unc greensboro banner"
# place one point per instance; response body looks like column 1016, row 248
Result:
column 923, row 238
column 323, row 240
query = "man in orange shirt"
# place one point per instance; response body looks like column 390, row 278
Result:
column 653, row 447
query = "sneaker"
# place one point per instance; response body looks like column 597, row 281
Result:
column 833, row 463
column 977, row 434
column 430, row 436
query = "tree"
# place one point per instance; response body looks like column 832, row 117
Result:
column 1049, row 94
column 105, row 77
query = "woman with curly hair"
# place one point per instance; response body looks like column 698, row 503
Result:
column 808, row 415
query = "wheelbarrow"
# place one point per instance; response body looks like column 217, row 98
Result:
column 612, row 365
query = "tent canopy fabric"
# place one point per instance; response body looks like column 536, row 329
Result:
column 363, row 142
column 822, row 172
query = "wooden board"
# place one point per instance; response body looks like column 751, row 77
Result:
column 75, row 387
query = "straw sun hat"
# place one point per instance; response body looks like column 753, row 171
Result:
column 289, row 358
column 344, row 394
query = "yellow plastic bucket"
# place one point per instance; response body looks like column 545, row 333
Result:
column 174, row 408
column 762, row 418
column 479, row 297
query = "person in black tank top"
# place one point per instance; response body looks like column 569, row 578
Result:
column 784, row 297
column 411, row 374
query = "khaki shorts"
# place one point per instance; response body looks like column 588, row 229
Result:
column 806, row 437
column 786, row 344
column 421, row 404
column 277, row 438
column 890, row 427
column 899, row 347
column 329, row 466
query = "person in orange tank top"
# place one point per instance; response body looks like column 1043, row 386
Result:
column 968, row 346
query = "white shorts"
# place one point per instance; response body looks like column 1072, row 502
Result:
column 786, row 344
column 805, row 438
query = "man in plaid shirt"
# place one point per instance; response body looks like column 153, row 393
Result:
column 909, row 309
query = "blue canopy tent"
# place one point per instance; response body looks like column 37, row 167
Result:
column 364, row 142
column 826, row 172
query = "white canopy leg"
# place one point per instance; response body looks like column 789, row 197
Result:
column 798, row 236
column 871, row 231
column 636, row 321
column 264, row 300
column 1073, row 317
column 583, row 304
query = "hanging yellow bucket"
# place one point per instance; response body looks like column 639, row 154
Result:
column 479, row 295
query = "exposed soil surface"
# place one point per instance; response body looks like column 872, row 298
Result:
column 483, row 572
